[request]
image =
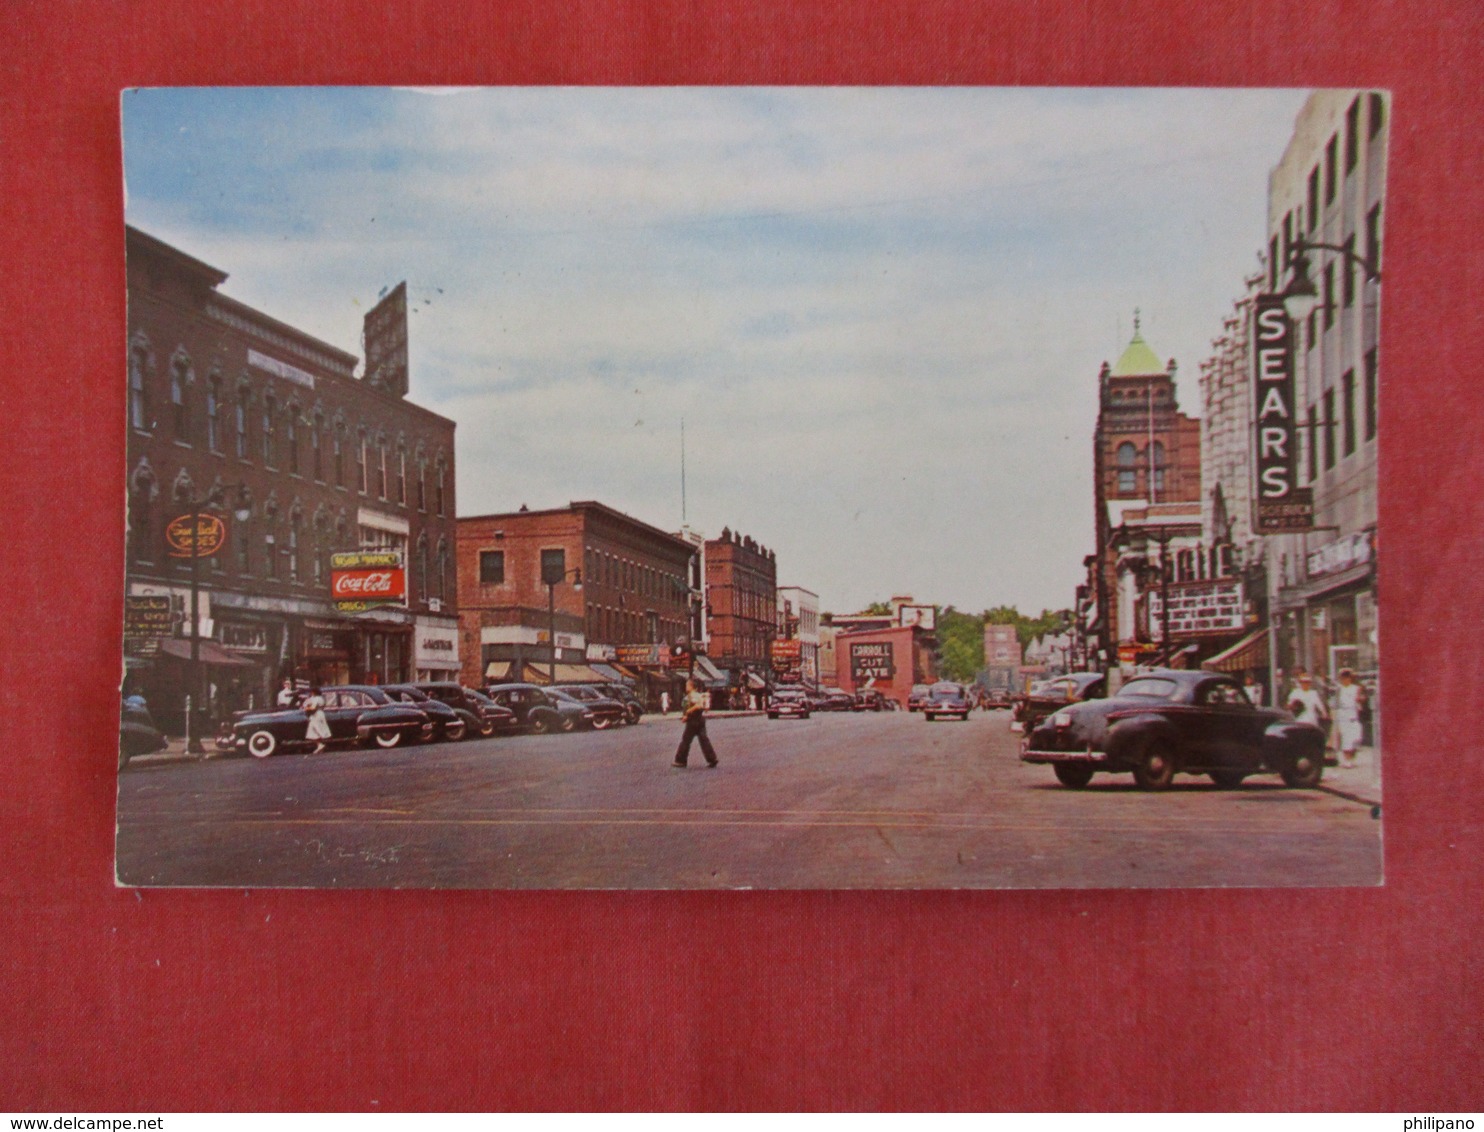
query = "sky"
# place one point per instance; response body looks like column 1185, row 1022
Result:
column 878, row 314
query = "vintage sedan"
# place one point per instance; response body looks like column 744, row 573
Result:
column 481, row 715
column 357, row 713
column 917, row 697
column 1049, row 695
column 537, row 710
column 603, row 711
column 626, row 696
column 791, row 702
column 946, row 698
column 448, row 724
column 1176, row 722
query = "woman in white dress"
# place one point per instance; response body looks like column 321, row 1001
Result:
column 1349, row 701
column 319, row 725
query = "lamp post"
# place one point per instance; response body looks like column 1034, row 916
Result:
column 1301, row 296
column 195, row 697
column 553, row 572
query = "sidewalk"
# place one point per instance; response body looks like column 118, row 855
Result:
column 1360, row 783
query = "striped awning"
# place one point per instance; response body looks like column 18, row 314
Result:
column 1250, row 652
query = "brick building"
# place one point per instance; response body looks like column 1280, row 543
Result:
column 1147, row 487
column 888, row 660
column 741, row 603
column 241, row 413
column 619, row 589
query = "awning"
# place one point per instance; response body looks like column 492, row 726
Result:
column 1250, row 652
column 209, row 651
column 612, row 675
column 756, row 682
column 565, row 674
column 708, row 672
column 497, row 670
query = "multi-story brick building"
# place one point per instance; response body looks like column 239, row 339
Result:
column 741, row 602
column 1147, row 491
column 614, row 589
column 237, row 412
column 1002, row 660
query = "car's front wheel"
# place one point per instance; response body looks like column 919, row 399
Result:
column 261, row 744
column 539, row 724
column 1155, row 769
column 386, row 737
column 602, row 723
column 453, row 732
column 567, row 723
column 1075, row 775
column 1304, row 771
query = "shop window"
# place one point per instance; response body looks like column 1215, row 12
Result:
column 491, row 567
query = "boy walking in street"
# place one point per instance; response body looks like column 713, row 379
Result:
column 693, row 709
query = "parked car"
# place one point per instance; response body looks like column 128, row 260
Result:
column 1176, row 722
column 536, row 710
column 836, row 699
column 357, row 713
column 603, row 711
column 1047, row 696
column 481, row 715
column 137, row 733
column 448, row 725
column 791, row 702
column 869, row 699
column 917, row 697
column 626, row 696
column 945, row 698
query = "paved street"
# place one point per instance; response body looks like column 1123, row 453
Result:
column 837, row 801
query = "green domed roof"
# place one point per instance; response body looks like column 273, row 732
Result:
column 1138, row 359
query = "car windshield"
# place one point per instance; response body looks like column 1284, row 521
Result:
column 1152, row 687
column 580, row 693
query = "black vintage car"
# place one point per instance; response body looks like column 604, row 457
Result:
column 945, row 698
column 357, row 713
column 481, row 715
column 1172, row 722
column 626, row 696
column 537, row 710
column 448, row 724
column 1046, row 697
column 604, row 711
column 137, row 733
column 791, row 702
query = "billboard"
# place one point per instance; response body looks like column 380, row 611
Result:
column 367, row 579
column 917, row 616
column 871, row 660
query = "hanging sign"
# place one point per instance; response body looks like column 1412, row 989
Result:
column 1280, row 504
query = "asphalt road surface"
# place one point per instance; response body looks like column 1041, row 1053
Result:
column 870, row 800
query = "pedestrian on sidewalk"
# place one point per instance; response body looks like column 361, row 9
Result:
column 286, row 693
column 664, row 703
column 693, row 710
column 319, row 725
column 1350, row 704
column 1307, row 704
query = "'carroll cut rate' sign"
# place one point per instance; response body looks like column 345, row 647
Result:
column 1280, row 504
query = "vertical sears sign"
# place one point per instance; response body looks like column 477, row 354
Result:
column 367, row 579
column 1279, row 504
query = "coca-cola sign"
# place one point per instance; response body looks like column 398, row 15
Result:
column 362, row 580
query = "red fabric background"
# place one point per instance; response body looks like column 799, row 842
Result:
column 1026, row 1000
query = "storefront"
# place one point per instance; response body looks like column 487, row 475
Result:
column 436, row 648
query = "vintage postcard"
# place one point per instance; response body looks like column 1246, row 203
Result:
column 785, row 488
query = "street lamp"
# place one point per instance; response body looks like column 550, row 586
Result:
column 1301, row 296
column 215, row 499
column 553, row 572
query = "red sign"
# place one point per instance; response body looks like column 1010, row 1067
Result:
column 784, row 650
column 369, row 585
column 211, row 535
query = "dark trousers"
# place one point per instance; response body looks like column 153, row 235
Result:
column 695, row 728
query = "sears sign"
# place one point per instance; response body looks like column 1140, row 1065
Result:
column 1280, row 504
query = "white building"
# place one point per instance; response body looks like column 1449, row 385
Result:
column 798, row 619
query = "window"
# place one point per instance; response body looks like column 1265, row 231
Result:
column 1352, row 135
column 241, row 422
column 244, row 547
column 1370, row 394
column 442, row 566
column 1331, row 159
column 213, row 413
column 270, row 550
column 361, row 470
column 438, row 487
column 138, row 399
column 1312, row 333
column 553, row 566
column 1274, row 266
column 491, row 567
column 401, row 475
column 142, row 522
column 291, row 437
column 422, row 566
column 1377, row 114
column 1314, row 198
column 316, row 463
column 1347, row 394
column 1157, row 465
column 1328, row 424
column 1287, row 235
column 337, row 454
column 381, row 469
column 1347, row 287
column 1313, row 434
column 1373, row 238
column 1127, row 475
column 180, row 373
column 1329, row 294
column 269, row 407
column 422, row 485
column 295, row 521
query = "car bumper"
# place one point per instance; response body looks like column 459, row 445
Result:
column 1085, row 755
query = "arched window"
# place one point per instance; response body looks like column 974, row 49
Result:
column 402, row 474
column 243, row 527
column 243, row 394
column 361, row 461
column 270, row 539
column 291, row 436
column 144, row 489
column 180, row 375
column 317, row 463
column 213, row 413
column 438, row 487
column 381, row 467
column 270, row 408
column 296, row 522
column 338, row 450
column 1157, row 465
column 442, row 592
column 424, row 579
column 138, row 396
column 1128, row 476
column 422, row 485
